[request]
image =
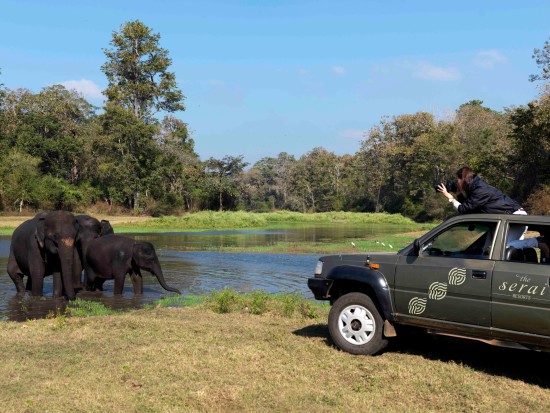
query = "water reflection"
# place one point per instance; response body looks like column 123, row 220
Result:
column 191, row 263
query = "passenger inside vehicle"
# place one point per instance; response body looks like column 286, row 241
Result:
column 526, row 249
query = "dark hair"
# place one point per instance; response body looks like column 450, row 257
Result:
column 467, row 176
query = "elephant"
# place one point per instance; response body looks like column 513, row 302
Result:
column 89, row 228
column 41, row 246
column 114, row 256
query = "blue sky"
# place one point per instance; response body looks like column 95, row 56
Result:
column 263, row 77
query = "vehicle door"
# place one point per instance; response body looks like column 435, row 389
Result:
column 521, row 287
column 450, row 280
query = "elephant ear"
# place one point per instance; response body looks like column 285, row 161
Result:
column 106, row 228
column 39, row 232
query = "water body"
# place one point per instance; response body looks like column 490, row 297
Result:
column 191, row 262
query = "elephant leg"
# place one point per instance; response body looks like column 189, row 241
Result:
column 98, row 283
column 77, row 271
column 16, row 274
column 137, row 282
column 36, row 279
column 57, row 285
column 119, row 283
column 90, row 278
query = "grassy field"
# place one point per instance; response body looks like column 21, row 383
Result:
column 211, row 357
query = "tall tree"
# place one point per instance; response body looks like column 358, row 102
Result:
column 20, row 181
column 128, row 156
column 223, row 174
column 531, row 143
column 137, row 71
column 484, row 143
column 49, row 125
column 177, row 167
column 542, row 58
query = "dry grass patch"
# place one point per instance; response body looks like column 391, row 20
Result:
column 192, row 359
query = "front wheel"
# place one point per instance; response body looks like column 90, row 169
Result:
column 355, row 325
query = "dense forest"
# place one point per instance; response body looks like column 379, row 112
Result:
column 60, row 152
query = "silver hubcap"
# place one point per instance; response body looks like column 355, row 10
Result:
column 356, row 324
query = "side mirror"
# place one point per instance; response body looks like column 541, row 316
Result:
column 416, row 247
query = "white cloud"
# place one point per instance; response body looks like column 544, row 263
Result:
column 87, row 88
column 487, row 59
column 425, row 70
column 339, row 70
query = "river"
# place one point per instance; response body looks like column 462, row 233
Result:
column 192, row 263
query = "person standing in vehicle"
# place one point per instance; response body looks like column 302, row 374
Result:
column 477, row 196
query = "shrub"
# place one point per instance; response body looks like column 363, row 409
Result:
column 539, row 201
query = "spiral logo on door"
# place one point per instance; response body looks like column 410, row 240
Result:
column 457, row 276
column 437, row 291
column 417, row 305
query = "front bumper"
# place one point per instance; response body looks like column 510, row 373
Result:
column 320, row 287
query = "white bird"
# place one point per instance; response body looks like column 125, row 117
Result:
column 391, row 246
column 383, row 244
column 353, row 244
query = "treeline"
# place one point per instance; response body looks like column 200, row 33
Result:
column 60, row 152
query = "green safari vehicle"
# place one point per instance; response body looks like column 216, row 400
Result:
column 461, row 278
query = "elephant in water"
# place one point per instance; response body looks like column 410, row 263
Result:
column 41, row 246
column 89, row 228
column 114, row 256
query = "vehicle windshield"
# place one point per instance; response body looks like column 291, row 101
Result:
column 469, row 239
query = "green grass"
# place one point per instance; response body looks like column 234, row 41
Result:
column 223, row 301
column 239, row 219
column 85, row 308
column 259, row 302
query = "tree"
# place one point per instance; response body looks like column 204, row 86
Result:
column 223, row 175
column 177, row 167
column 542, row 58
column 483, row 138
column 20, row 181
column 128, row 156
column 393, row 147
column 531, row 144
column 2, row 92
column 49, row 125
column 267, row 183
column 137, row 71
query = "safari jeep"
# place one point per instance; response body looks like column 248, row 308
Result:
column 458, row 279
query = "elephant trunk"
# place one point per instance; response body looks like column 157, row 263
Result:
column 66, row 259
column 157, row 272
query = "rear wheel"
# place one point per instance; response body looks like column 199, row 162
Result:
column 355, row 325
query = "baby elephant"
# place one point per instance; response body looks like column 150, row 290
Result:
column 114, row 256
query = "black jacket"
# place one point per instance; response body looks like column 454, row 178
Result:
column 483, row 198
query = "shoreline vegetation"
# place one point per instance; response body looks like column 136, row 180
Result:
column 229, row 220
column 181, row 354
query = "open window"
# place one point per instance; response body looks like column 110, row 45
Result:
column 533, row 247
column 465, row 240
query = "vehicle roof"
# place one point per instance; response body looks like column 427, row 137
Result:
column 542, row 219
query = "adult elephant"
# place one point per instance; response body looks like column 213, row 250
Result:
column 114, row 256
column 44, row 245
column 89, row 228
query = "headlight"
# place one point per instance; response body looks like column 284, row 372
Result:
column 319, row 267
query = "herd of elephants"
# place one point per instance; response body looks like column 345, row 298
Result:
column 80, row 252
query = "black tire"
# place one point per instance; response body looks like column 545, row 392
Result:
column 355, row 325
